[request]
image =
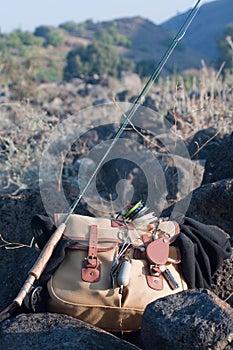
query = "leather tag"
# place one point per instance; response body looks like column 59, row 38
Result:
column 157, row 251
column 90, row 274
column 155, row 278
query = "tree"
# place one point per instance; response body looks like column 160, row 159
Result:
column 42, row 31
column 74, row 67
column 28, row 39
column 109, row 35
column 73, row 28
column 96, row 58
column 53, row 36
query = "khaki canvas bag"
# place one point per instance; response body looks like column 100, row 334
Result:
column 87, row 283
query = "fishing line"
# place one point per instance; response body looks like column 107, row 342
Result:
column 139, row 101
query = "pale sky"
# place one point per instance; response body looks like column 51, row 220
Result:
column 28, row 14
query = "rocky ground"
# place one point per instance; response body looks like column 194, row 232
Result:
column 210, row 202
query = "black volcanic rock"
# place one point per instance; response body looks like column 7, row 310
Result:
column 188, row 320
column 54, row 331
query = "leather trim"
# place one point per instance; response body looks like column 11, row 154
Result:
column 85, row 247
column 100, row 240
column 157, row 251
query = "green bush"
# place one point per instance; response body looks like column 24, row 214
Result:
column 48, row 74
column 73, row 28
column 88, row 22
column 52, row 36
column 103, row 36
column 29, row 39
column 3, row 46
column 14, row 39
column 18, row 42
column 55, row 39
column 97, row 58
column 42, row 31
column 109, row 35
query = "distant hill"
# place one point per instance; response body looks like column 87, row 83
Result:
column 42, row 55
column 148, row 42
column 209, row 24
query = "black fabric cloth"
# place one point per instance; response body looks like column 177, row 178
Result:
column 42, row 228
column 203, row 249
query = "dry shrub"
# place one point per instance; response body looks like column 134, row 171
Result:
column 198, row 100
column 23, row 136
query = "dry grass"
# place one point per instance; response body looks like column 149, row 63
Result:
column 199, row 100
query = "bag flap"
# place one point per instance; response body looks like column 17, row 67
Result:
column 78, row 228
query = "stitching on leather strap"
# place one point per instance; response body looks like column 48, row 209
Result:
column 92, row 250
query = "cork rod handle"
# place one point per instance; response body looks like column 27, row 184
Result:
column 41, row 262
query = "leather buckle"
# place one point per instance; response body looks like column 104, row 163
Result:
column 154, row 270
column 90, row 260
column 154, row 278
column 91, row 273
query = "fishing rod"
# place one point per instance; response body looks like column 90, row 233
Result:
column 37, row 269
column 138, row 101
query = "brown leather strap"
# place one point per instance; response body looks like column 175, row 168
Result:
column 91, row 264
column 92, row 250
